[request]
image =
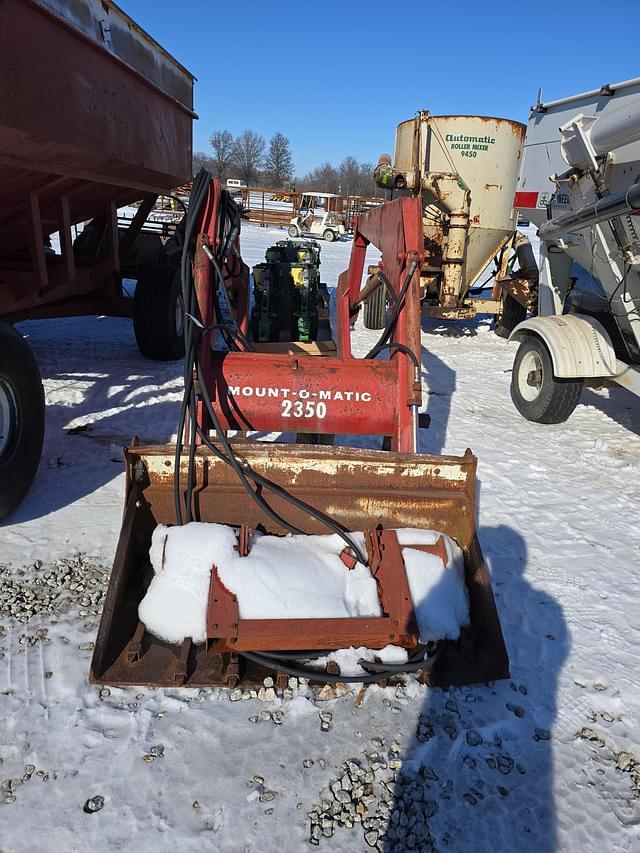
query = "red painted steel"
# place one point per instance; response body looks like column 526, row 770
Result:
column 523, row 199
column 305, row 394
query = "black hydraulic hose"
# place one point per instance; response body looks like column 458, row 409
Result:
column 277, row 663
column 192, row 454
column 311, row 654
column 259, row 480
column 197, row 197
column 237, row 332
column 388, row 287
column 245, row 473
column 176, row 458
column 408, row 351
column 200, row 188
column 178, row 200
column 230, row 459
column 391, row 324
column 201, row 184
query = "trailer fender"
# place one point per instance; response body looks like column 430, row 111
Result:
column 579, row 346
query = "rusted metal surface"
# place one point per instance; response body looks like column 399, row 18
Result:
column 116, row 123
column 76, row 145
column 229, row 631
column 358, row 487
column 520, row 288
column 363, row 487
column 438, row 549
column 223, row 619
column 105, row 24
column 464, row 312
column 34, row 284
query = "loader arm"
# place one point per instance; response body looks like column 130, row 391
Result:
column 309, row 488
column 264, row 391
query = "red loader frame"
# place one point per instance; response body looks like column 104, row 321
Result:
column 295, row 392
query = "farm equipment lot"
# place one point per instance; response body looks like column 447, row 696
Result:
column 509, row 770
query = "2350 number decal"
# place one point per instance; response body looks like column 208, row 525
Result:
column 306, row 409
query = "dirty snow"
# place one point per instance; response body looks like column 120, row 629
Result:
column 545, row 761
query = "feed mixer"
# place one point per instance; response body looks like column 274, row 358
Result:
column 465, row 169
column 364, row 497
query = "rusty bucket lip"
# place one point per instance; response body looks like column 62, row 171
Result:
column 356, row 483
column 318, row 451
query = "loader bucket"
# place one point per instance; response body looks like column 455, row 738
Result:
column 360, row 488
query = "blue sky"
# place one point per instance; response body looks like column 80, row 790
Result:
column 336, row 77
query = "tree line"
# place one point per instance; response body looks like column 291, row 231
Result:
column 250, row 158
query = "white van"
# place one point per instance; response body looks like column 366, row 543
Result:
column 235, row 184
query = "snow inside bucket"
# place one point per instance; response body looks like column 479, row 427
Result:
column 291, row 577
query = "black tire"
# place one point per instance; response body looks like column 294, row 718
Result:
column 511, row 314
column 375, row 309
column 21, row 418
column 292, row 231
column 329, row 235
column 254, row 327
column 537, row 394
column 158, row 314
column 324, row 439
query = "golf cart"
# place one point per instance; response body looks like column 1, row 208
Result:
column 326, row 223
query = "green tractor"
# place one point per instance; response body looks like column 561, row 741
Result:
column 288, row 295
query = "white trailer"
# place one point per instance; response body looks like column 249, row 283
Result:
column 580, row 184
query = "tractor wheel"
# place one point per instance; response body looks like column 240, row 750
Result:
column 254, row 328
column 375, row 309
column 292, row 231
column 512, row 313
column 329, row 235
column 158, row 314
column 21, row 418
column 537, row 394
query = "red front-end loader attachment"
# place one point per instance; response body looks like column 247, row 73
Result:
column 279, row 488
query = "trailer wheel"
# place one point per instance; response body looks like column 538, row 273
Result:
column 375, row 309
column 511, row 313
column 537, row 394
column 21, row 418
column 329, row 235
column 292, row 231
column 158, row 314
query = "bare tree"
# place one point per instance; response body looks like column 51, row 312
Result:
column 278, row 164
column 200, row 160
column 367, row 185
column 248, row 155
column 222, row 143
column 349, row 172
column 321, row 179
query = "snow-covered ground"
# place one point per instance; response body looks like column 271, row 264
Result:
column 542, row 762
